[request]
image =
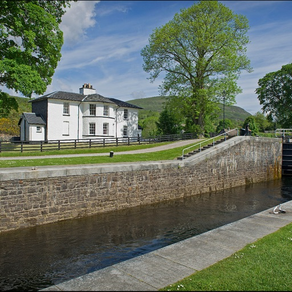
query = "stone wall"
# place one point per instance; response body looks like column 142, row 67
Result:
column 30, row 197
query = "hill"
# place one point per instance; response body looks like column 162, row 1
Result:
column 152, row 106
column 9, row 126
column 155, row 104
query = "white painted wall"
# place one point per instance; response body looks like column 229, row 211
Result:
column 131, row 122
column 35, row 135
column 56, row 119
column 76, row 125
column 99, row 119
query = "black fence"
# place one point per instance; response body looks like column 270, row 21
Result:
column 52, row 145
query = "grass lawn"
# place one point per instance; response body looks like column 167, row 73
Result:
column 83, row 150
column 264, row 265
column 169, row 154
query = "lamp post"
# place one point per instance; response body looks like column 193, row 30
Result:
column 223, row 93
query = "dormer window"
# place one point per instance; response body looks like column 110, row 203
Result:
column 66, row 111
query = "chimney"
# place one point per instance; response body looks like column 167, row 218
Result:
column 87, row 89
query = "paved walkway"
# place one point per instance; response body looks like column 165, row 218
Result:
column 146, row 150
column 172, row 263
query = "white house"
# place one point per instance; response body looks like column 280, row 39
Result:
column 85, row 115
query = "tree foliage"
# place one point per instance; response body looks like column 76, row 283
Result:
column 226, row 124
column 168, row 123
column 30, row 43
column 275, row 95
column 149, row 126
column 8, row 127
column 201, row 51
column 263, row 123
column 251, row 121
column 7, row 104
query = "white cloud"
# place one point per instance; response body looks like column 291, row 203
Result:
column 268, row 51
column 102, row 49
column 78, row 18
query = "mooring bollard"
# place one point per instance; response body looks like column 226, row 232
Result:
column 111, row 153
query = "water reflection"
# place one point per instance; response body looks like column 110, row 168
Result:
column 35, row 258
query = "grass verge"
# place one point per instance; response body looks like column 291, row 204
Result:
column 264, row 265
column 84, row 150
column 152, row 156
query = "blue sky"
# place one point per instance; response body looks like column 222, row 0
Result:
column 103, row 41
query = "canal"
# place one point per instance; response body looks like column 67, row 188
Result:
column 38, row 257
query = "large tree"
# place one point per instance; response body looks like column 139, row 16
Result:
column 168, row 123
column 30, row 43
column 201, row 51
column 275, row 95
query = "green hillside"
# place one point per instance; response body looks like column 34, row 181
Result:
column 155, row 104
column 9, row 125
column 152, row 106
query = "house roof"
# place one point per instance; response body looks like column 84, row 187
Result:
column 32, row 118
column 97, row 97
column 124, row 104
column 63, row 95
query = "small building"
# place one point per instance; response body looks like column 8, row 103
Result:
column 32, row 127
column 85, row 115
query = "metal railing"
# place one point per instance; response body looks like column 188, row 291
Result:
column 213, row 139
column 283, row 132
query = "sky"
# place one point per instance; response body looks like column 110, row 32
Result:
column 103, row 42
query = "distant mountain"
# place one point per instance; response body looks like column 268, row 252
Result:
column 155, row 104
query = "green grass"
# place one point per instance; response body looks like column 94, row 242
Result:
column 161, row 155
column 152, row 156
column 106, row 149
column 169, row 154
column 264, row 265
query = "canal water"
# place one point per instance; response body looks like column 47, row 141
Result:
column 38, row 257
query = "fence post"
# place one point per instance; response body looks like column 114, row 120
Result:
column 59, row 144
column 128, row 140
column 103, row 142
column 41, row 146
column 21, row 147
column 117, row 141
column 75, row 144
column 89, row 143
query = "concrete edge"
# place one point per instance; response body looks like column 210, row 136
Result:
column 174, row 262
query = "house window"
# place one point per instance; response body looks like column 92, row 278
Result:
column 38, row 129
column 65, row 128
column 92, row 109
column 125, row 131
column 105, row 128
column 66, row 109
column 126, row 114
column 105, row 110
column 92, row 129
